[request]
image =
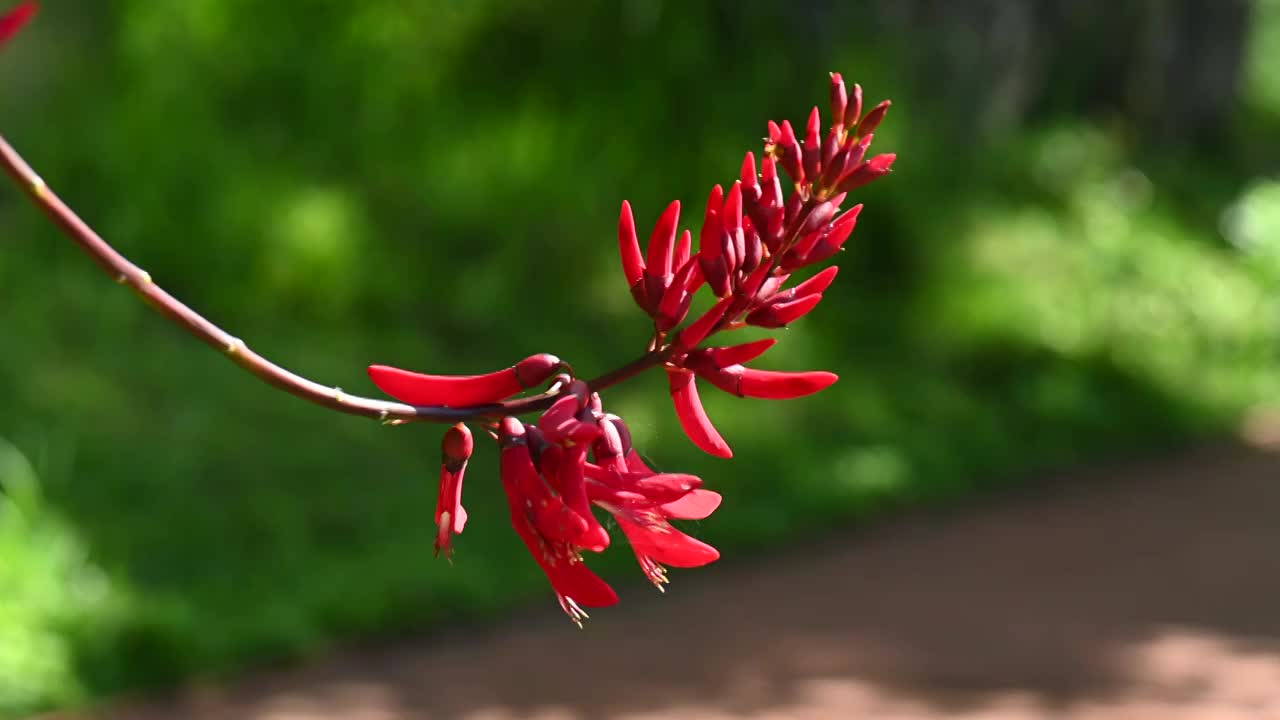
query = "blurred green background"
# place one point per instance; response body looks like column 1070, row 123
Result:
column 1078, row 255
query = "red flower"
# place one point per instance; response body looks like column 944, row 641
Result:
column 464, row 390
column 451, row 518
column 547, row 527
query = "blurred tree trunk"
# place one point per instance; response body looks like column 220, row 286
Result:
column 1171, row 68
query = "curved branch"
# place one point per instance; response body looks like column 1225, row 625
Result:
column 126, row 273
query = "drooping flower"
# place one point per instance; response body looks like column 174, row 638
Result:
column 451, row 518
column 548, row 527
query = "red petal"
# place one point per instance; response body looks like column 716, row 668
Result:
column 451, row 390
column 667, row 545
column 662, row 242
column 814, row 285
column 697, row 505
column 772, row 385
column 873, row 119
column 698, row 330
column 673, row 308
column 636, row 463
column 781, row 314
column 873, row 169
column 854, row 110
column 731, row 217
column 13, row 21
column 693, row 418
column 575, row 580
column 739, row 354
column 839, row 100
column 570, row 479
column 629, row 246
column 569, row 576
column 683, row 249
column 748, row 174
column 812, row 145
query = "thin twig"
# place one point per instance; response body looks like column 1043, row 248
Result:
column 126, row 273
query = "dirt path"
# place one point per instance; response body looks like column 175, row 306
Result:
column 1145, row 590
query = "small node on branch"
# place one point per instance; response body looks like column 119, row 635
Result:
column 39, row 188
column 235, row 346
column 338, row 395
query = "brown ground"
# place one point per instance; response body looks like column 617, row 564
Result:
column 1145, row 590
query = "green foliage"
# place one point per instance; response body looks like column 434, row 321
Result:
column 435, row 185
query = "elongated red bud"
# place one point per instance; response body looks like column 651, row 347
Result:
column 451, row 517
column 750, row 285
column 775, row 315
column 739, row 354
column 854, row 110
column 764, row 384
column 709, row 236
column 839, row 100
column 771, row 286
column 752, row 247
column 830, row 148
column 771, row 385
column 683, row 248
column 830, row 243
column 698, row 330
column 731, row 216
column 536, row 369
column 873, row 119
column 716, row 273
column 873, row 169
column 629, row 246
column 693, row 417
column 662, row 243
column 775, row 134
column 815, row 285
column 675, row 304
column 813, row 146
column 750, row 181
column 795, row 204
column 464, row 390
column 12, row 21
column 791, row 154
column 821, row 216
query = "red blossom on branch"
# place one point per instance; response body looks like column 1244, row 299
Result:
column 576, row 457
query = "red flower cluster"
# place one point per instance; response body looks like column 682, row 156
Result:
column 577, row 457
column 750, row 242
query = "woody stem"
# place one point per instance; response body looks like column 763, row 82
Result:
column 126, row 273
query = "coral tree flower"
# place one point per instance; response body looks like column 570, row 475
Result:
column 755, row 244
